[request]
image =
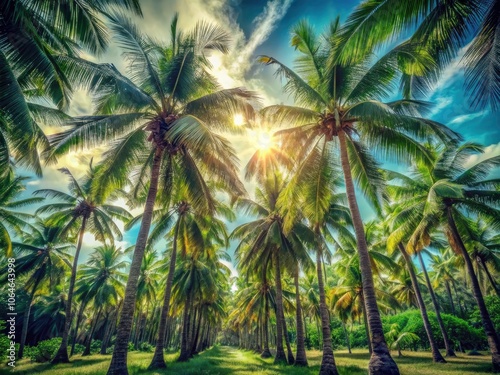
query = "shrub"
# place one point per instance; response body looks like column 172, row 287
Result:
column 44, row 351
column 131, row 346
column 95, row 346
column 146, row 347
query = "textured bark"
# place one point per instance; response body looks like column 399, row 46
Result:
column 458, row 245
column 62, row 353
column 381, row 362
column 118, row 365
column 436, row 354
column 266, row 353
column 158, row 358
column 185, row 352
column 280, row 352
column 300, row 355
column 291, row 359
column 328, row 366
column 365, row 322
column 449, row 350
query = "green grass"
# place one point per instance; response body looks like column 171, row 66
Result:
column 222, row 360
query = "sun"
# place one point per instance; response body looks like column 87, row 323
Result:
column 238, row 119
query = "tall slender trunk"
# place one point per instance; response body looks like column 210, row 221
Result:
column 347, row 341
column 26, row 320
column 108, row 325
column 381, row 362
column 158, row 360
column 449, row 350
column 185, row 352
column 458, row 245
column 450, row 297
column 79, row 317
column 436, row 354
column 62, row 353
column 118, row 365
column 289, row 352
column 365, row 323
column 490, row 278
column 86, row 352
column 328, row 366
column 300, row 355
column 280, row 352
column 266, row 353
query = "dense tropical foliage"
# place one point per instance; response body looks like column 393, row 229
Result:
column 308, row 270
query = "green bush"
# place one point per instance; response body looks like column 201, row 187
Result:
column 493, row 306
column 458, row 329
column 4, row 342
column 44, row 351
column 131, row 346
column 79, row 348
column 146, row 347
column 95, row 347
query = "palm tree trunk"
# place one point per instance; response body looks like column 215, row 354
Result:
column 118, row 365
column 78, row 321
column 444, row 333
column 184, row 356
column 450, row 297
column 300, row 355
column 26, row 320
column 365, row 322
column 381, row 362
column 328, row 366
column 490, row 278
column 280, row 352
column 266, row 353
column 289, row 352
column 91, row 334
column 158, row 360
column 436, row 354
column 458, row 245
column 347, row 341
column 62, row 353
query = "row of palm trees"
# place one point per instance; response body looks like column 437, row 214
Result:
column 165, row 116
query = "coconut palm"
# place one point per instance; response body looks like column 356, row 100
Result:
column 339, row 105
column 263, row 242
column 43, row 257
column 441, row 29
column 13, row 222
column 443, row 194
column 80, row 211
column 396, row 339
column 32, row 34
column 101, row 280
column 167, row 110
column 186, row 223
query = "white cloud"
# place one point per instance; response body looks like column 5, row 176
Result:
column 489, row 152
column 468, row 117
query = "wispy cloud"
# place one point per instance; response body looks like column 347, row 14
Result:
column 468, row 117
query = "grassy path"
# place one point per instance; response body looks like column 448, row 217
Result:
column 226, row 360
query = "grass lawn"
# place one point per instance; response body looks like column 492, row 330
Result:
column 226, row 360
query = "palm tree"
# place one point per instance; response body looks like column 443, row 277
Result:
column 33, row 34
column 396, row 338
column 264, row 243
column 43, row 257
column 186, row 223
column 441, row 30
column 101, row 280
column 80, row 211
column 440, row 194
column 340, row 105
column 13, row 222
column 165, row 114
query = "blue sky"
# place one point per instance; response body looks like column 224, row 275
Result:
column 263, row 27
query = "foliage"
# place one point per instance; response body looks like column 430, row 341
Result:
column 44, row 351
column 493, row 306
column 458, row 329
